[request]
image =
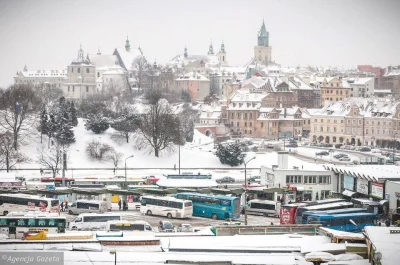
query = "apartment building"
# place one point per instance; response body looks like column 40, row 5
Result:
column 334, row 89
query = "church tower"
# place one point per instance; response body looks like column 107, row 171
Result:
column 210, row 49
column 127, row 45
column 185, row 53
column 262, row 52
column 222, row 55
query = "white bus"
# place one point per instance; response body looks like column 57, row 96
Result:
column 86, row 206
column 264, row 207
column 94, row 221
column 133, row 226
column 24, row 203
column 15, row 227
column 166, row 206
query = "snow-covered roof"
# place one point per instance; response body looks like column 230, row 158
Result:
column 243, row 96
column 359, row 80
column 127, row 57
column 43, row 73
column 187, row 183
column 369, row 172
column 180, row 60
column 385, row 242
column 383, row 91
column 394, row 71
column 115, row 70
column 103, row 60
column 192, row 76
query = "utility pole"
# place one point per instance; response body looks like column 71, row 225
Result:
column 245, row 190
column 64, row 167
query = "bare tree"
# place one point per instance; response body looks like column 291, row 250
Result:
column 50, row 158
column 140, row 68
column 159, row 127
column 9, row 157
column 18, row 107
column 98, row 150
column 126, row 122
column 115, row 158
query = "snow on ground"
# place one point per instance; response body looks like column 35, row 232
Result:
column 310, row 152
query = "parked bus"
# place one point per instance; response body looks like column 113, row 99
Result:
column 325, row 201
column 16, row 226
column 12, row 185
column 87, row 206
column 264, row 207
column 36, row 185
column 371, row 206
column 166, row 206
column 323, row 207
column 338, row 211
column 58, row 181
column 189, row 176
column 342, row 221
column 288, row 213
column 94, row 221
column 133, row 226
column 213, row 206
column 23, row 202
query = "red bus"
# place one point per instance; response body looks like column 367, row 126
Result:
column 288, row 213
column 58, row 180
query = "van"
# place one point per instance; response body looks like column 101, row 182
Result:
column 132, row 226
column 94, row 221
column 264, row 207
column 86, row 206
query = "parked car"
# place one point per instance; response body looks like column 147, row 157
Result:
column 356, row 162
column 292, row 145
column 226, row 180
column 323, row 153
column 270, row 146
column 364, row 149
column 345, row 158
column 305, row 143
column 166, row 226
column 256, row 179
column 338, row 156
column 185, row 228
column 337, row 146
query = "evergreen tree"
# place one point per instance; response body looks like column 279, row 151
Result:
column 97, row 124
column 230, row 154
column 64, row 134
column 72, row 114
column 44, row 118
column 126, row 125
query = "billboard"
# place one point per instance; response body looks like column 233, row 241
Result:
column 377, row 190
column 362, row 186
column 348, row 182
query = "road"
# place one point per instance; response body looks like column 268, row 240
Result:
column 196, row 222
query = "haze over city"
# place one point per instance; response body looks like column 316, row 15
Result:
column 47, row 34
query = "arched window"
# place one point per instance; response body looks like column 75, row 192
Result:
column 87, row 70
column 98, row 74
column 79, row 70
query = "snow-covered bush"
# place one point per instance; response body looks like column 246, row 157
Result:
column 98, row 151
column 97, row 124
column 230, row 154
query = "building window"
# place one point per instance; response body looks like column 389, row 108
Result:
column 87, row 89
column 87, row 70
column 310, row 179
column 98, row 74
column 359, row 122
column 73, row 88
column 72, row 69
column 245, row 124
column 68, row 88
column 315, row 120
column 262, row 124
column 293, row 179
column 251, row 131
column 315, row 128
column 251, row 124
column 321, row 129
column 79, row 70
column 322, row 120
column 245, row 116
column 348, row 121
column 237, row 124
column 327, row 129
column 324, row 179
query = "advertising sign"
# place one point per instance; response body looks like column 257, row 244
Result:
column 362, row 186
column 348, row 182
column 377, row 190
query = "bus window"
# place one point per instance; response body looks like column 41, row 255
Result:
column 3, row 222
column 187, row 204
column 31, row 222
column 225, row 203
column 78, row 220
column 42, row 223
column 73, row 204
column 52, row 222
column 148, row 228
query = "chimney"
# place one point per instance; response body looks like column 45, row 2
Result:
column 283, row 159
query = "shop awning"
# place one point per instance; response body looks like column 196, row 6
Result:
column 348, row 193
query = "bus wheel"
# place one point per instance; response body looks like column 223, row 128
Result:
column 214, row 216
column 70, row 212
column 148, row 212
column 74, row 228
column 169, row 215
column 265, row 215
column 5, row 213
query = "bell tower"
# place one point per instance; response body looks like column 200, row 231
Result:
column 222, row 55
column 262, row 52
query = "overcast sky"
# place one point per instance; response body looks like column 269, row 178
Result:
column 343, row 33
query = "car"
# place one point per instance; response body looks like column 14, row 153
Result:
column 337, row 146
column 226, row 180
column 256, row 179
column 185, row 228
column 345, row 158
column 166, row 226
column 270, row 146
column 292, row 145
column 356, row 162
column 338, row 156
column 322, row 153
column 364, row 149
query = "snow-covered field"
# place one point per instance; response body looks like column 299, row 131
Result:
column 198, row 154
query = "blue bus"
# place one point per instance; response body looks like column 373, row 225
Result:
column 213, row 206
column 342, row 221
column 320, row 207
column 306, row 214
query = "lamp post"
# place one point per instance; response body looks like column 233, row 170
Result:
column 125, row 166
column 179, row 150
column 245, row 189
column 114, row 252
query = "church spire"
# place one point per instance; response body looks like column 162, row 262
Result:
column 185, row 53
column 210, row 49
column 263, row 36
column 127, row 45
column 222, row 47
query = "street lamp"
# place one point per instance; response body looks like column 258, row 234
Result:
column 114, row 252
column 245, row 189
column 125, row 165
column 179, row 150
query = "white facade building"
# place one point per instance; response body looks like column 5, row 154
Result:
column 362, row 86
column 52, row 78
column 303, row 183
